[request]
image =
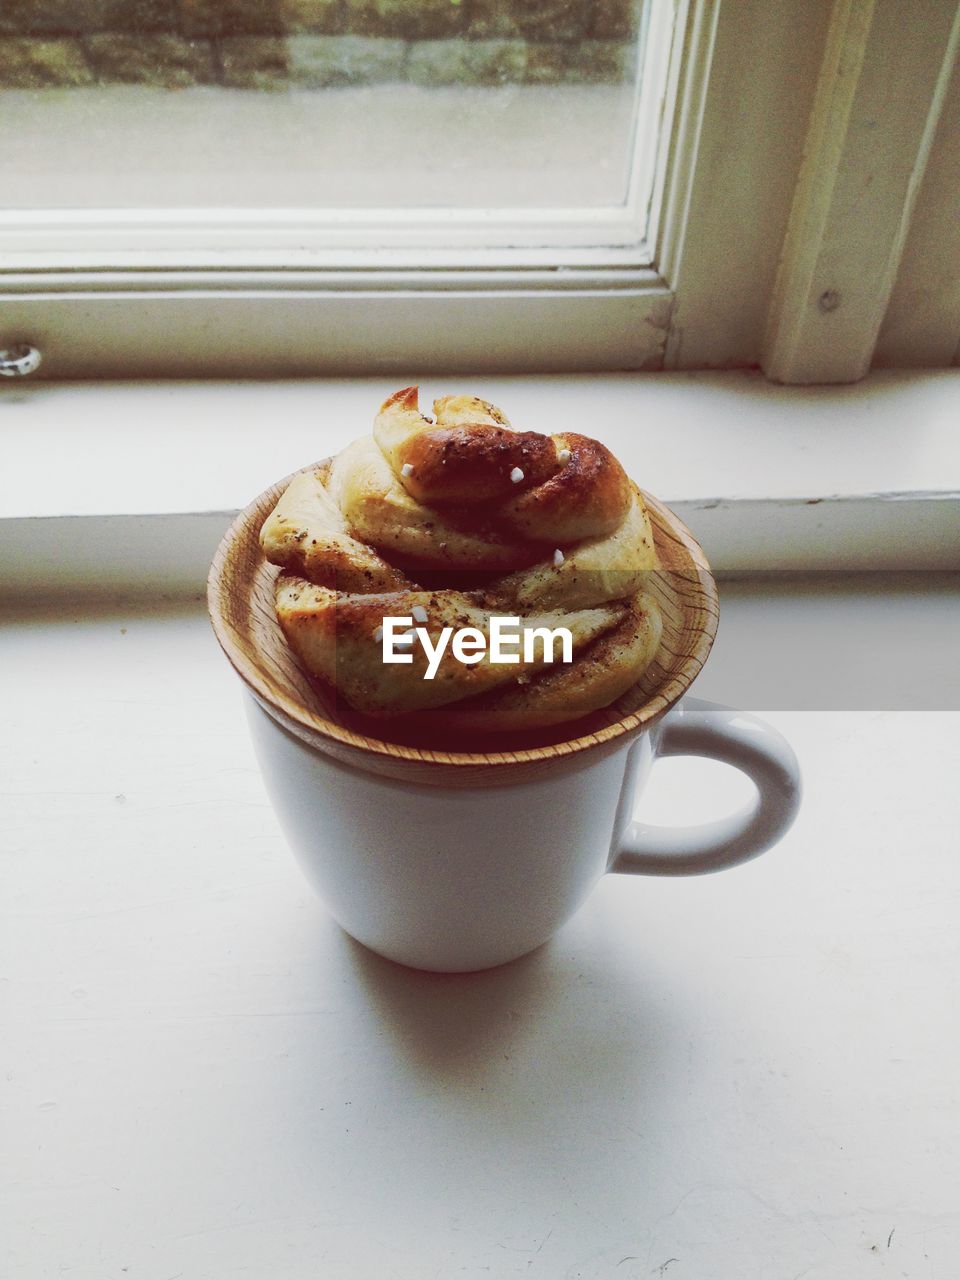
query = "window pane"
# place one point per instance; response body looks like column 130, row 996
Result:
column 320, row 104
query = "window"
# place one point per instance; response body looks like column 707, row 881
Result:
column 306, row 186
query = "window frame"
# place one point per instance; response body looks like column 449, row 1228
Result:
column 697, row 292
column 99, row 311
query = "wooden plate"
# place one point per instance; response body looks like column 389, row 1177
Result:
column 240, row 595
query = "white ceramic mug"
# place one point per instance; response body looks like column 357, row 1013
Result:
column 456, row 879
column 464, row 859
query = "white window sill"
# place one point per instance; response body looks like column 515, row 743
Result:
column 203, row 1075
column 123, row 486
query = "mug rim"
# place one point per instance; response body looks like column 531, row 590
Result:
column 452, row 768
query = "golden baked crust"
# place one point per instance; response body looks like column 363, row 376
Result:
column 495, row 521
column 334, row 635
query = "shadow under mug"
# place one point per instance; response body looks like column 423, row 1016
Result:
column 461, row 860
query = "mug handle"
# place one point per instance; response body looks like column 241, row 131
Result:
column 699, row 728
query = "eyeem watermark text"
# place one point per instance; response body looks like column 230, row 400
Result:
column 508, row 641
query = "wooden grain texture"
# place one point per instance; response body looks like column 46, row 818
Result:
column 240, row 594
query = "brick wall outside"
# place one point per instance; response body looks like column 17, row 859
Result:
column 311, row 44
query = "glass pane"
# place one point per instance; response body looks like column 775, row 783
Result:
column 319, row 104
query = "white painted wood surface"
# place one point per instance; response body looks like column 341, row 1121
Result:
column 146, row 448
column 886, row 69
column 201, row 329
column 922, row 325
column 728, row 213
column 128, row 487
column 167, row 556
column 753, row 1074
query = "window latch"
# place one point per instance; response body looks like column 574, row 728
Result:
column 19, row 361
